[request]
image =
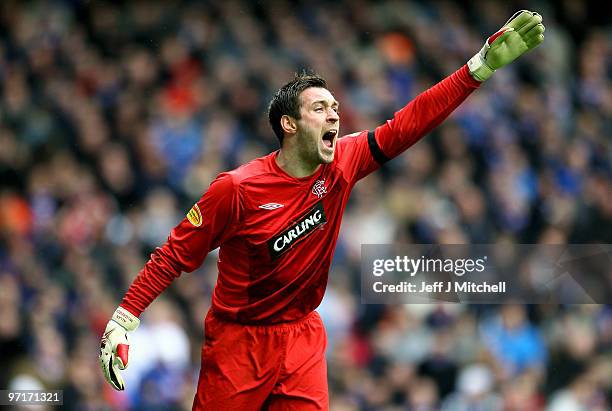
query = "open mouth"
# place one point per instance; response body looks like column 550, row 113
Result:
column 329, row 137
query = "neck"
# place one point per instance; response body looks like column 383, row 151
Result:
column 291, row 162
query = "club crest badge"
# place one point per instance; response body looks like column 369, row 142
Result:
column 195, row 216
column 319, row 189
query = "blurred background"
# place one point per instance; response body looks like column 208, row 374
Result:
column 114, row 118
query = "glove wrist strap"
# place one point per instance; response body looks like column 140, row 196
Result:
column 479, row 68
column 125, row 319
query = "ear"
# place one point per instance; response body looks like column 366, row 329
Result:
column 288, row 124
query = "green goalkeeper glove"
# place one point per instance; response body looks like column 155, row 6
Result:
column 115, row 345
column 523, row 32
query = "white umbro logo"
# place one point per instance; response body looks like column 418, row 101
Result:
column 271, row 206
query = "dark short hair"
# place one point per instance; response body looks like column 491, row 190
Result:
column 287, row 99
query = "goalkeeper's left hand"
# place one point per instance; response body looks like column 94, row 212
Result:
column 523, row 32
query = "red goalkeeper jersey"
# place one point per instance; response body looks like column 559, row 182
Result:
column 277, row 233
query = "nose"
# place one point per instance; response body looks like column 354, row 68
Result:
column 332, row 116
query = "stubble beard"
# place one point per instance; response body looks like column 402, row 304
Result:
column 325, row 158
column 311, row 151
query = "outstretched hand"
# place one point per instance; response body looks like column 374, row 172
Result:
column 521, row 33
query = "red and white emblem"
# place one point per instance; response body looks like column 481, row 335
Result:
column 319, row 188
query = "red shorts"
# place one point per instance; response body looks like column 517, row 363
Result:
column 270, row 367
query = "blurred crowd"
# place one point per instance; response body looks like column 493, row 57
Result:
column 114, row 118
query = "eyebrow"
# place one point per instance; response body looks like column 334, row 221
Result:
column 324, row 102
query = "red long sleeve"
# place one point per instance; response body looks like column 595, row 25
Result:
column 425, row 112
column 211, row 220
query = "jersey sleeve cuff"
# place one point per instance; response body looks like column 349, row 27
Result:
column 465, row 76
column 130, row 308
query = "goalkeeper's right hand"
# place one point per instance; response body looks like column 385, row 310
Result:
column 115, row 345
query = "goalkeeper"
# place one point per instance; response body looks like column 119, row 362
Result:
column 276, row 221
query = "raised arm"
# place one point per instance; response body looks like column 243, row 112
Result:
column 523, row 32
